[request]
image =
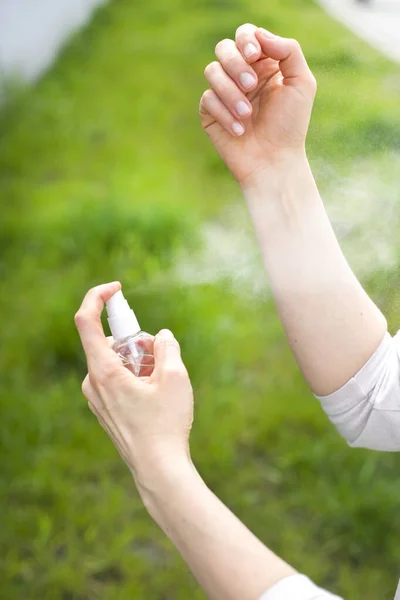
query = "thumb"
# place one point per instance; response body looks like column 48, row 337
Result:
column 167, row 354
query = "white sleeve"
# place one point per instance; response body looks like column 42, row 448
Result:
column 297, row 587
column 366, row 410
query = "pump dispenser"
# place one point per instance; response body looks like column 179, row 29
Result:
column 134, row 346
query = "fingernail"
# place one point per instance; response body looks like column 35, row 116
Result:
column 242, row 109
column 267, row 34
column 237, row 128
column 250, row 50
column 247, row 80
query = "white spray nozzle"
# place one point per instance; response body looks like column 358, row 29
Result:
column 121, row 318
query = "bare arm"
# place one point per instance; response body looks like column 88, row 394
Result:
column 332, row 325
column 228, row 561
column 149, row 421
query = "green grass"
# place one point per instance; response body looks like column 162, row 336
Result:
column 105, row 174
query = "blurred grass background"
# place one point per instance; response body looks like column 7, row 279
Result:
column 106, row 174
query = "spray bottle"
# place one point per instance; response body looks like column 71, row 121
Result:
column 134, row 346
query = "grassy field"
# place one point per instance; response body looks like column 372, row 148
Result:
column 105, row 174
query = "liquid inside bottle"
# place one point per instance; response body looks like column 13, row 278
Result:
column 136, row 352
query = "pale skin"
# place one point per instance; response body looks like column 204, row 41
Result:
column 332, row 326
column 149, row 421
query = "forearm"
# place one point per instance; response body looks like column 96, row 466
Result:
column 331, row 324
column 226, row 558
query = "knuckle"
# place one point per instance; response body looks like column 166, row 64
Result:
column 172, row 343
column 222, row 44
column 294, row 44
column 86, row 387
column 110, row 341
column 176, row 372
column 230, row 63
column 313, row 82
column 95, row 290
column 242, row 28
column 206, row 104
column 210, row 69
column 107, row 374
column 92, row 292
column 83, row 317
column 201, row 105
column 80, row 318
column 204, row 101
column 101, row 380
column 208, row 94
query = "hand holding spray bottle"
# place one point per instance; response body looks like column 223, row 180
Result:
column 134, row 346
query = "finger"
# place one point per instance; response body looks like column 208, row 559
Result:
column 212, row 109
column 288, row 52
column 235, row 65
column 167, row 355
column 100, row 411
column 146, row 345
column 110, row 341
column 146, row 366
column 88, row 323
column 247, row 42
column 89, row 392
column 227, row 90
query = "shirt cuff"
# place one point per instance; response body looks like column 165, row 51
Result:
column 297, row 587
column 359, row 386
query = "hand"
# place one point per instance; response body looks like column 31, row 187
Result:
column 258, row 108
column 148, row 419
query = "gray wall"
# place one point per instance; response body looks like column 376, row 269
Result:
column 33, row 31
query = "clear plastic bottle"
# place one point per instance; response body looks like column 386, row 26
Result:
column 134, row 346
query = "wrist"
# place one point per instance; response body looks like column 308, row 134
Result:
column 283, row 196
column 272, row 174
column 160, row 472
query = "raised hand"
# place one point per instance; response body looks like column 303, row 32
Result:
column 258, row 107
